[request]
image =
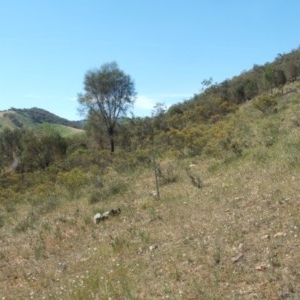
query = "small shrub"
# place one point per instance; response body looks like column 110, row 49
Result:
column 49, row 204
column 9, row 206
column 120, row 243
column 96, row 197
column 105, row 193
column 166, row 177
column 39, row 249
column 144, row 235
column 270, row 133
column 217, row 255
column 196, row 181
column 170, row 175
column 73, row 180
column 261, row 155
column 266, row 104
column 9, row 198
column 98, row 182
column 27, row 223
column 57, row 233
column 44, row 197
column 117, row 188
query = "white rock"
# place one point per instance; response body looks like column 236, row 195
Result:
column 106, row 214
column 97, row 218
column 279, row 234
column 153, row 194
column 153, row 247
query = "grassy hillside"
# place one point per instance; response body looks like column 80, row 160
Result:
column 35, row 117
column 235, row 237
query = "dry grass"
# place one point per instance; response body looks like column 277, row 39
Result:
column 237, row 237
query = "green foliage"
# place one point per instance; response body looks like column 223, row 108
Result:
column 45, row 197
column 15, row 120
column 129, row 161
column 170, row 176
column 34, row 117
column 27, row 150
column 11, row 148
column 79, row 158
column 73, row 180
column 219, row 138
column 109, row 92
column 9, row 197
column 40, row 150
column 176, row 140
column 268, row 76
column 251, row 89
column 291, row 71
column 195, row 139
column 40, row 116
column 266, row 104
column 279, row 78
column 62, row 130
column 214, row 123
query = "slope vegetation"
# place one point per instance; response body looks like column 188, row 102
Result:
column 33, row 118
column 234, row 236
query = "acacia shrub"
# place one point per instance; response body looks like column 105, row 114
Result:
column 126, row 161
column 195, row 139
column 265, row 103
column 218, row 136
column 9, row 197
column 44, row 196
column 73, row 181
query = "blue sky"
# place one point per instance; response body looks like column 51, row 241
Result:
column 168, row 47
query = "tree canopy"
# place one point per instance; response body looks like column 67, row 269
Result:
column 109, row 92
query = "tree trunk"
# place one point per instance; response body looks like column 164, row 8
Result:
column 112, row 144
column 111, row 138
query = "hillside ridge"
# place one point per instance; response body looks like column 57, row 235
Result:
column 32, row 117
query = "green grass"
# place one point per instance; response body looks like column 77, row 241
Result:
column 7, row 122
column 63, row 130
column 12, row 119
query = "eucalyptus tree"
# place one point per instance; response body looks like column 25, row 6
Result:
column 109, row 93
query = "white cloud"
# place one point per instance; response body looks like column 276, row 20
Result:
column 145, row 102
column 149, row 101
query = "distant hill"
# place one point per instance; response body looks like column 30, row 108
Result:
column 32, row 118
